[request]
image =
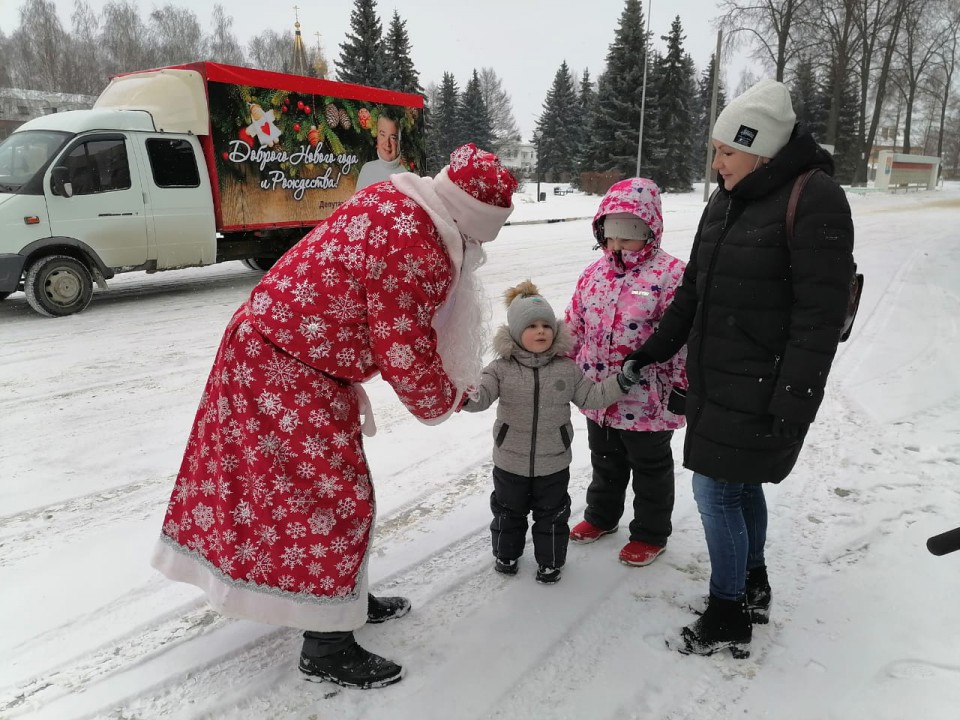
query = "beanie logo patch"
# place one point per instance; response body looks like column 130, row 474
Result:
column 745, row 136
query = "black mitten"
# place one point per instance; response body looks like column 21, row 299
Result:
column 639, row 358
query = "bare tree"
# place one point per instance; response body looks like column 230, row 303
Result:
column 947, row 64
column 270, row 50
column 503, row 124
column 771, row 27
column 177, row 35
column 878, row 26
column 37, row 47
column 124, row 38
column 835, row 25
column 222, row 44
column 923, row 34
column 5, row 78
column 87, row 74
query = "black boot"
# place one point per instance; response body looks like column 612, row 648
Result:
column 386, row 608
column 759, row 595
column 350, row 666
column 724, row 624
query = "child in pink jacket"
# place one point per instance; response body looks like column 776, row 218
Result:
column 616, row 306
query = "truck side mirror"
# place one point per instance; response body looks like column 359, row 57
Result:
column 60, row 180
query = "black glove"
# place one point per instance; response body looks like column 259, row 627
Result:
column 639, row 358
column 788, row 429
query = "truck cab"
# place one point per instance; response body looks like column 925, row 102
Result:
column 89, row 193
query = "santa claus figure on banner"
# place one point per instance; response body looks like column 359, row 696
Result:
column 273, row 508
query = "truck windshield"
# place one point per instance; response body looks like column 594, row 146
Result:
column 24, row 154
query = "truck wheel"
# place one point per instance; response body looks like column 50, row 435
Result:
column 260, row 264
column 58, row 285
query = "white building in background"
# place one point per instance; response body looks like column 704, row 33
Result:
column 19, row 105
column 521, row 156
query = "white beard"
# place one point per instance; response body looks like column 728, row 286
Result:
column 462, row 321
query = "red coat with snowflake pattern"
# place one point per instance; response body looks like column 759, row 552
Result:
column 273, row 505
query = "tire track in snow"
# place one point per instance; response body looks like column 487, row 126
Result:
column 187, row 628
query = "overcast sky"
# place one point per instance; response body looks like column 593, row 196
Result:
column 524, row 41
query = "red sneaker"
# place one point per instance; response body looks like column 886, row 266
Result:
column 583, row 532
column 638, row 553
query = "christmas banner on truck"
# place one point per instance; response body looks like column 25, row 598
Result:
column 296, row 155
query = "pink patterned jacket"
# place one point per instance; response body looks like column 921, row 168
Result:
column 618, row 303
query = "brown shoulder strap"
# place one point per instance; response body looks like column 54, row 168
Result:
column 798, row 185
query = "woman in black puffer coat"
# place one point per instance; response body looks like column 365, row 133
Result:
column 761, row 318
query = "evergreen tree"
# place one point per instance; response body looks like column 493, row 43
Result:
column 809, row 102
column 701, row 128
column 674, row 107
column 558, row 128
column 587, row 106
column 444, row 122
column 402, row 75
column 362, row 58
column 617, row 122
column 474, row 117
column 846, row 153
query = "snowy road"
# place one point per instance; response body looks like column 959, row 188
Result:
column 95, row 411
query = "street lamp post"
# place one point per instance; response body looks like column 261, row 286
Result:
column 643, row 95
column 538, row 168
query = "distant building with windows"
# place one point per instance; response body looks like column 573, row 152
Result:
column 18, row 105
column 520, row 156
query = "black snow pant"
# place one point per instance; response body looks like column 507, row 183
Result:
column 322, row 644
column 546, row 498
column 615, row 454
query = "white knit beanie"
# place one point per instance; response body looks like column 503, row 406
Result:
column 758, row 122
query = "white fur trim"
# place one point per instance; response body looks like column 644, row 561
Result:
column 476, row 219
column 274, row 607
column 461, row 322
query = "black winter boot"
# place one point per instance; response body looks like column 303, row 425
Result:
column 759, row 595
column 724, row 624
column 386, row 608
column 352, row 667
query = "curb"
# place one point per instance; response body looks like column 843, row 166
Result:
column 545, row 222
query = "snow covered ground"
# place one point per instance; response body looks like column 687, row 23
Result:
column 95, row 410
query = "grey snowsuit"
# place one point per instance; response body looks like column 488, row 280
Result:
column 531, row 441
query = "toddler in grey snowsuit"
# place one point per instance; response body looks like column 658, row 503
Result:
column 535, row 384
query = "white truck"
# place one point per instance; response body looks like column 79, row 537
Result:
column 182, row 167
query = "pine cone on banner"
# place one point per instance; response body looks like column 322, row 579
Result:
column 344, row 119
column 332, row 114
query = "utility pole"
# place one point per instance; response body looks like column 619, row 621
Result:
column 643, row 95
column 713, row 117
column 538, row 168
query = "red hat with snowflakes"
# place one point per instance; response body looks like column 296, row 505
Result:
column 478, row 192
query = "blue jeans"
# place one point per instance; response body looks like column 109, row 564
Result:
column 734, row 519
